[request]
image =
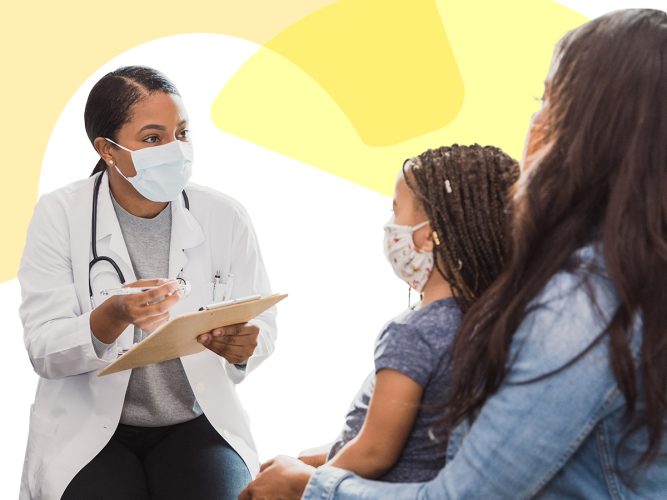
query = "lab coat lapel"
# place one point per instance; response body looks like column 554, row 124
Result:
column 186, row 233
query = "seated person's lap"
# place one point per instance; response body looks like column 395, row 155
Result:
column 188, row 460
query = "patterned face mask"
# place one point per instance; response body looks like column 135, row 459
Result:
column 411, row 265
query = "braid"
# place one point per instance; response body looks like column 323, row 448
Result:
column 464, row 191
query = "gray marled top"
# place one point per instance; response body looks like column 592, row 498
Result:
column 158, row 394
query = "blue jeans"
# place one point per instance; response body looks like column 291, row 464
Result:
column 188, row 460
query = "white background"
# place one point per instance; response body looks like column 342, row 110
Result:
column 321, row 238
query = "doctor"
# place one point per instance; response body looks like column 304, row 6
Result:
column 170, row 430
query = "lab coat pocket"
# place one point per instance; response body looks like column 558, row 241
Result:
column 41, row 440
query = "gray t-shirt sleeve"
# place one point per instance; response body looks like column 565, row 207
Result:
column 406, row 349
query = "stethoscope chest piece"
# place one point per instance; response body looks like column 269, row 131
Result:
column 187, row 286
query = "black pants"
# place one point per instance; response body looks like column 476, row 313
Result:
column 184, row 461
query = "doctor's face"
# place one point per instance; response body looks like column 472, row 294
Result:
column 156, row 120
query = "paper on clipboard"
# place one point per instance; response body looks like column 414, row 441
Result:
column 178, row 337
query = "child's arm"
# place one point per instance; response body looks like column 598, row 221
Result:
column 391, row 415
column 316, row 456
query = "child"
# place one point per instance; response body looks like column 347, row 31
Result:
column 446, row 239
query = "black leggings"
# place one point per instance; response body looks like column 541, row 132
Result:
column 183, row 461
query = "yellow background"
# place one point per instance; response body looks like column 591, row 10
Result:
column 351, row 87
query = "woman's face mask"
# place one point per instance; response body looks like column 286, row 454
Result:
column 162, row 171
column 411, row 265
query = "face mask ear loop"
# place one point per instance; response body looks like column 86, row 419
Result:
column 114, row 164
column 421, row 298
column 416, row 228
column 121, row 173
column 420, row 225
column 121, row 147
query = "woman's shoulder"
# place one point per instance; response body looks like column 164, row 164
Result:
column 567, row 316
column 583, row 279
column 66, row 195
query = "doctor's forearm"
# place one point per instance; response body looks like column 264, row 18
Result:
column 105, row 325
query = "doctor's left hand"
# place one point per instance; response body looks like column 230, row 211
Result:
column 235, row 343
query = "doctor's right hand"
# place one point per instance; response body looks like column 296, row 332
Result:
column 146, row 310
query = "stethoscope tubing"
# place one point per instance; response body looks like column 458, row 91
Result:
column 93, row 242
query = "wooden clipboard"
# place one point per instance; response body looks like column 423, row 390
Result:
column 178, row 337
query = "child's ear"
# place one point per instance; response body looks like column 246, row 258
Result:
column 428, row 244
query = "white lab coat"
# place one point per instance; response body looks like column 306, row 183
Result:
column 75, row 412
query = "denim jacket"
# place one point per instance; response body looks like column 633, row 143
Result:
column 553, row 438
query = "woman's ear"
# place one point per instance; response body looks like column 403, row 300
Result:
column 103, row 148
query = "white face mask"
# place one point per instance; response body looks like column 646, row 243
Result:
column 162, row 171
column 411, row 265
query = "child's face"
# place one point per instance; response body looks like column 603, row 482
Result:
column 408, row 212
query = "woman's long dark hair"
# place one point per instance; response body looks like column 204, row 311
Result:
column 602, row 180
column 109, row 104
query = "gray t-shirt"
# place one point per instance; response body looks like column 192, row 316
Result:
column 416, row 343
column 158, row 394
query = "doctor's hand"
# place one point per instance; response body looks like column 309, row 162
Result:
column 146, row 310
column 235, row 343
column 281, row 478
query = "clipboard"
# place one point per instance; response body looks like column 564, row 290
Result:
column 178, row 337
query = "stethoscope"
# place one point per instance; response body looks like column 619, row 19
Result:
column 103, row 258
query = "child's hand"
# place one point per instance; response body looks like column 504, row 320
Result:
column 316, row 460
